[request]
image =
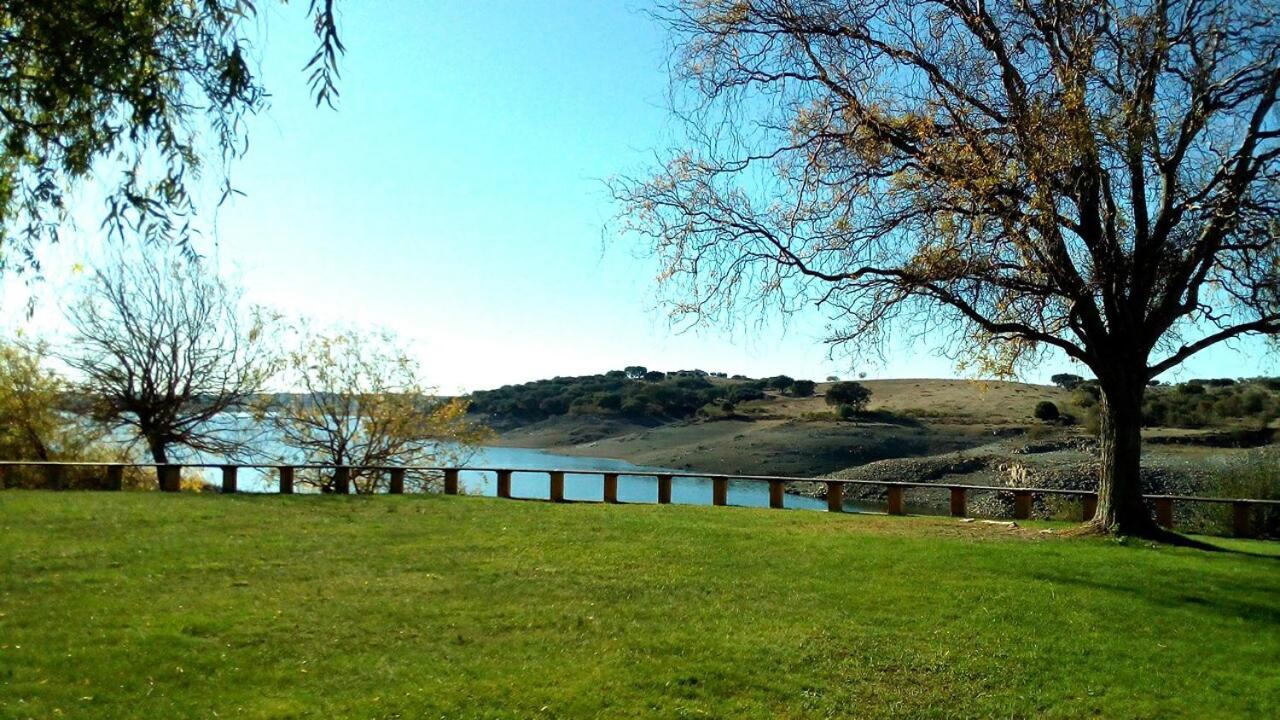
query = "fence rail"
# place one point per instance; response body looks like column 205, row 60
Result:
column 168, row 478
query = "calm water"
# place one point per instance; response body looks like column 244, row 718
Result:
column 579, row 486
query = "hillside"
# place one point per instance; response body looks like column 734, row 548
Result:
column 433, row 606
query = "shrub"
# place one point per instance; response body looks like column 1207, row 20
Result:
column 780, row 383
column 847, row 412
column 1046, row 411
column 851, row 394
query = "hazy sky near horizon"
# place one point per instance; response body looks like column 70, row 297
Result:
column 456, row 197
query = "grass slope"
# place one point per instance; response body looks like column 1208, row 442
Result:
column 141, row 605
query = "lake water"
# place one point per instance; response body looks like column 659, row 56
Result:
column 687, row 490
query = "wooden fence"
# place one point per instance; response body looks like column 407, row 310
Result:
column 168, row 478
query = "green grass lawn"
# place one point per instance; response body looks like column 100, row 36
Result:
column 133, row 605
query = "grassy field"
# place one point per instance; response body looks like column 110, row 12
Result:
column 141, row 605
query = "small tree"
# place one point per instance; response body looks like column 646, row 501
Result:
column 1066, row 381
column 361, row 403
column 635, row 372
column 853, row 394
column 781, row 383
column 166, row 351
column 655, row 376
column 39, row 425
column 1046, row 411
column 803, row 388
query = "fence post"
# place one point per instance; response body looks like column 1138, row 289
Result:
column 895, row 500
column 228, row 479
column 1240, row 524
column 397, row 481
column 115, row 477
column 664, row 489
column 451, row 481
column 342, row 480
column 835, row 496
column 286, row 480
column 776, row 490
column 170, row 477
column 1090, row 503
column 611, row 487
column 1021, row 504
column 504, row 483
column 1164, row 512
column 720, row 490
column 958, row 502
column 557, row 485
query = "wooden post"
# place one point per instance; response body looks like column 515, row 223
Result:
column 1090, row 503
column 342, row 480
column 835, row 496
column 958, row 503
column 557, row 485
column 170, row 477
column 286, row 480
column 1164, row 512
column 451, row 481
column 228, row 479
column 115, row 477
column 720, row 490
column 1021, row 504
column 895, row 500
column 611, row 487
column 776, row 490
column 664, row 489
column 1240, row 524
column 397, row 482
column 504, row 483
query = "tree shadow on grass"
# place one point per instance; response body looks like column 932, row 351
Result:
column 1180, row 595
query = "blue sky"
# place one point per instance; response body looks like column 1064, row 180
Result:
column 456, row 198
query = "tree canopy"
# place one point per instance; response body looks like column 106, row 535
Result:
column 1099, row 178
column 142, row 95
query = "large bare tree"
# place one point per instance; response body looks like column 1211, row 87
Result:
column 1097, row 178
column 165, row 349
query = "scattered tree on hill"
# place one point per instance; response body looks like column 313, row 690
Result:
column 803, row 388
column 1046, row 410
column 636, row 372
column 833, row 378
column 853, row 394
column 166, row 350
column 362, row 404
column 1066, row 381
column 781, row 383
column 144, row 92
column 1096, row 178
column 655, row 376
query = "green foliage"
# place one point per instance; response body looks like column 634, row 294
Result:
column 847, row 412
column 781, row 383
column 143, row 93
column 137, row 606
column 643, row 395
column 849, row 393
column 1209, row 403
column 1046, row 411
column 803, row 388
column 1066, row 381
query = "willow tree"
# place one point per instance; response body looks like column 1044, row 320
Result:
column 1093, row 178
column 140, row 96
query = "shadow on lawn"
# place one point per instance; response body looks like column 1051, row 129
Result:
column 1179, row 594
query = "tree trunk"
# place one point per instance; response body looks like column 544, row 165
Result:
column 160, row 456
column 1121, row 510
